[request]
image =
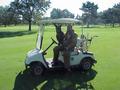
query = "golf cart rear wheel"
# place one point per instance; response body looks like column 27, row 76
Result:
column 37, row 69
column 86, row 64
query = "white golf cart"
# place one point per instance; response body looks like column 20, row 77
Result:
column 79, row 58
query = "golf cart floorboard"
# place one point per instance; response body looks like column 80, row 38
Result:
column 55, row 68
column 49, row 61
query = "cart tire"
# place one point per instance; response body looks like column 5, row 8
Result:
column 37, row 69
column 86, row 64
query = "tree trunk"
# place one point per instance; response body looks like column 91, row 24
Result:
column 5, row 25
column 113, row 25
column 105, row 24
column 15, row 23
column 88, row 21
column 88, row 25
column 29, row 25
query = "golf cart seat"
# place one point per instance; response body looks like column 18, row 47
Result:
column 72, row 53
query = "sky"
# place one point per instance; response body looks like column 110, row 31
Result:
column 72, row 5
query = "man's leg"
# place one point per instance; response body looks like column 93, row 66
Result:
column 56, row 53
column 67, row 59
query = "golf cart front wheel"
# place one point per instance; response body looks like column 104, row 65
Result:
column 86, row 65
column 37, row 69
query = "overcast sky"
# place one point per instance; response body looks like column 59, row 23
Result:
column 73, row 5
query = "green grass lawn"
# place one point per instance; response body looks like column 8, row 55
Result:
column 17, row 42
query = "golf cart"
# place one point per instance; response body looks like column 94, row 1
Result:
column 79, row 58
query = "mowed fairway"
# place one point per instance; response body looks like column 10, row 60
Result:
column 13, row 49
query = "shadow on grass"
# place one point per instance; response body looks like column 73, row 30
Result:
column 13, row 34
column 55, row 81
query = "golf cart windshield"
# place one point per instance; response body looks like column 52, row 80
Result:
column 52, row 21
column 40, row 37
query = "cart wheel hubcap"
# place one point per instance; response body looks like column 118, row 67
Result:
column 87, row 65
column 38, row 70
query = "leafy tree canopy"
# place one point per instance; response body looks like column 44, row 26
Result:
column 27, row 8
column 58, row 13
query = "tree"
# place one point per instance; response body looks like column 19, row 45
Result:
column 105, row 17
column 90, row 12
column 99, row 19
column 27, row 8
column 117, row 9
column 58, row 13
column 78, row 17
column 67, row 14
column 2, row 11
column 110, row 16
column 6, row 16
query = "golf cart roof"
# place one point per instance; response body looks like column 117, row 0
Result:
column 52, row 21
column 60, row 21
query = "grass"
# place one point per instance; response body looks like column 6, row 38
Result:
column 104, row 76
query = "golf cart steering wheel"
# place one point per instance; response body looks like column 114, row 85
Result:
column 54, row 41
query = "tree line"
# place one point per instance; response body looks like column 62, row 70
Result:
column 31, row 11
column 111, row 16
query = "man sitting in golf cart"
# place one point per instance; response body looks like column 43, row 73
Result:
column 59, row 33
column 60, row 37
column 69, row 42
